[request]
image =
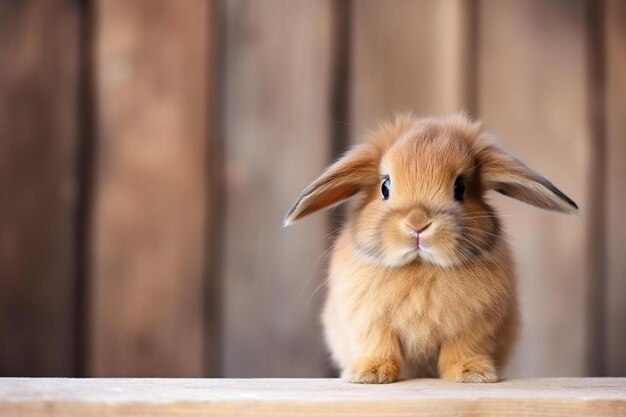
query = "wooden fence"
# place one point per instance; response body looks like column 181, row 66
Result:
column 149, row 149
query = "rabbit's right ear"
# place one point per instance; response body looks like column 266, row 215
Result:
column 340, row 181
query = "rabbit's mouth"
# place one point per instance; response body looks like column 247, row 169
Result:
column 438, row 245
column 423, row 248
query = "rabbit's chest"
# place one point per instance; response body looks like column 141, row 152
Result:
column 426, row 310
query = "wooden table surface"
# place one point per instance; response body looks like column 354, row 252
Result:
column 309, row 397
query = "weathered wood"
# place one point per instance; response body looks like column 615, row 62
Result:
column 39, row 73
column 409, row 56
column 309, row 397
column 277, row 138
column 214, row 211
column 615, row 171
column 532, row 92
column 149, row 217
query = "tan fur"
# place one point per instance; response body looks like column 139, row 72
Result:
column 447, row 307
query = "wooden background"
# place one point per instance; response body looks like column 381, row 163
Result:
column 149, row 149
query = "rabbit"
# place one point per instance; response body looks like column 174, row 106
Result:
column 421, row 281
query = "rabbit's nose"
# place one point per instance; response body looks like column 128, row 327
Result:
column 420, row 230
column 418, row 221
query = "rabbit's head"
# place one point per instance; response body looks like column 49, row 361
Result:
column 422, row 184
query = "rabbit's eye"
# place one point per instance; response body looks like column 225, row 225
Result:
column 459, row 188
column 384, row 189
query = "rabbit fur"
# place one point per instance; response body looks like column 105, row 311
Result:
column 422, row 283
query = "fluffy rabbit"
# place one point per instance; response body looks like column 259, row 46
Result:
column 421, row 281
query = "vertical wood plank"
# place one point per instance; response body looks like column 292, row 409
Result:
column 214, row 211
column 149, row 216
column 410, row 56
column 278, row 60
column 596, row 218
column 615, row 49
column 39, row 72
column 532, row 92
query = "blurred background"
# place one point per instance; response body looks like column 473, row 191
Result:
column 150, row 148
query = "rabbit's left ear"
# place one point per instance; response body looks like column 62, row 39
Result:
column 502, row 172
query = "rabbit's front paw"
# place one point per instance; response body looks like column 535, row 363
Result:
column 373, row 371
column 471, row 370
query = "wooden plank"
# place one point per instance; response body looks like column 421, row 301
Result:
column 39, row 73
column 532, row 92
column 310, row 397
column 615, row 171
column 277, row 130
column 596, row 219
column 149, row 217
column 410, row 56
column 214, row 210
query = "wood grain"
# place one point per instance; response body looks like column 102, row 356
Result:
column 310, row 397
column 532, row 92
column 39, row 73
column 409, row 56
column 184, row 234
column 277, row 137
column 615, row 171
column 150, row 205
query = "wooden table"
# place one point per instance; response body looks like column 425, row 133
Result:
column 309, row 397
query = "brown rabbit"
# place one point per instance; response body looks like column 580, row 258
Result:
column 420, row 276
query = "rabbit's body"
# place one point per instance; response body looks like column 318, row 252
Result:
column 423, row 305
column 421, row 280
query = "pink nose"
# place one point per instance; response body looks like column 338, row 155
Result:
column 423, row 228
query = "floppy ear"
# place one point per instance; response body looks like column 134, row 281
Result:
column 340, row 181
column 507, row 175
